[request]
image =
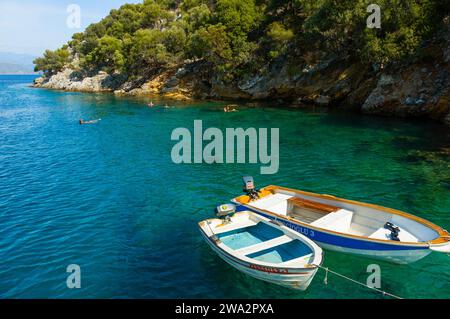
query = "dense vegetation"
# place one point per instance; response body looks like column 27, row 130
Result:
column 239, row 36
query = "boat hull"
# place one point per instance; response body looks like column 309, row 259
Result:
column 394, row 256
column 396, row 253
column 298, row 279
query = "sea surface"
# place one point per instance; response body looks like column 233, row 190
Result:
column 108, row 197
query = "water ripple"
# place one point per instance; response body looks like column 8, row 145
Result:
column 108, row 197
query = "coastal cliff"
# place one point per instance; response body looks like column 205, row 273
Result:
column 417, row 85
column 420, row 89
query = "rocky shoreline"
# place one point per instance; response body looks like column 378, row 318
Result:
column 416, row 89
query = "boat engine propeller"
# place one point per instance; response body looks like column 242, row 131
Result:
column 225, row 211
column 394, row 230
column 249, row 188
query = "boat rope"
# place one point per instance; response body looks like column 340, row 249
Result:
column 327, row 270
column 207, row 223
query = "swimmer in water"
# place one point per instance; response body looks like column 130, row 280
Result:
column 88, row 122
column 229, row 108
column 151, row 104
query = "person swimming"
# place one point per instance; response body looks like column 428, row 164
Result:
column 229, row 108
column 81, row 121
column 151, row 104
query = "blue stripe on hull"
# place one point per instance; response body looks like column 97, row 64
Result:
column 331, row 239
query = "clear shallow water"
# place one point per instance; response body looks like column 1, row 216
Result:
column 237, row 239
column 108, row 197
column 283, row 253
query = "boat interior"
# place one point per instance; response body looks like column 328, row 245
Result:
column 343, row 217
column 251, row 237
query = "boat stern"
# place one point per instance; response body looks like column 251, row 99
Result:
column 442, row 243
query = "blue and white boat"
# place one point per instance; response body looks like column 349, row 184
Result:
column 262, row 248
column 347, row 226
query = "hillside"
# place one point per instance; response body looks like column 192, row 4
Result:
column 302, row 52
column 15, row 63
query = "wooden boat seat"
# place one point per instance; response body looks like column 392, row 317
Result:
column 308, row 211
column 311, row 205
column 338, row 221
column 264, row 245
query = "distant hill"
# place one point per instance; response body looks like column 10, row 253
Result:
column 16, row 63
column 10, row 68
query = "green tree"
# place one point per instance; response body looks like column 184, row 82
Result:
column 130, row 16
column 106, row 56
column 197, row 17
column 239, row 37
column 147, row 50
column 53, row 61
column 155, row 12
column 238, row 16
column 211, row 43
column 280, row 37
column 174, row 39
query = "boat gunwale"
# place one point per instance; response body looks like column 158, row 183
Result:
column 443, row 238
column 244, row 262
column 316, row 250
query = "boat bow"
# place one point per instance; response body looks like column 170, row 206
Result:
column 441, row 244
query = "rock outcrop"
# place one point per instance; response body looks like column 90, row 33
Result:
column 70, row 80
column 415, row 91
column 419, row 88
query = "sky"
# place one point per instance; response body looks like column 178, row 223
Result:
column 32, row 26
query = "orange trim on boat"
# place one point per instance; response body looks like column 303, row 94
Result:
column 245, row 199
column 444, row 236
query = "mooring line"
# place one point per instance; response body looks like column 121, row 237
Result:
column 355, row 281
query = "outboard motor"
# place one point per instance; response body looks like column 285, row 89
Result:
column 249, row 188
column 225, row 211
column 394, row 230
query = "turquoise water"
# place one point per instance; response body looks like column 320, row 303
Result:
column 248, row 236
column 108, row 197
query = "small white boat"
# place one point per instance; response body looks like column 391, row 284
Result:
column 347, row 226
column 263, row 249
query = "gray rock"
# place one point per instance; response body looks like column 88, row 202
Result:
column 409, row 101
column 420, row 102
column 322, row 100
column 181, row 72
column 38, row 82
column 447, row 55
column 385, row 80
column 172, row 82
